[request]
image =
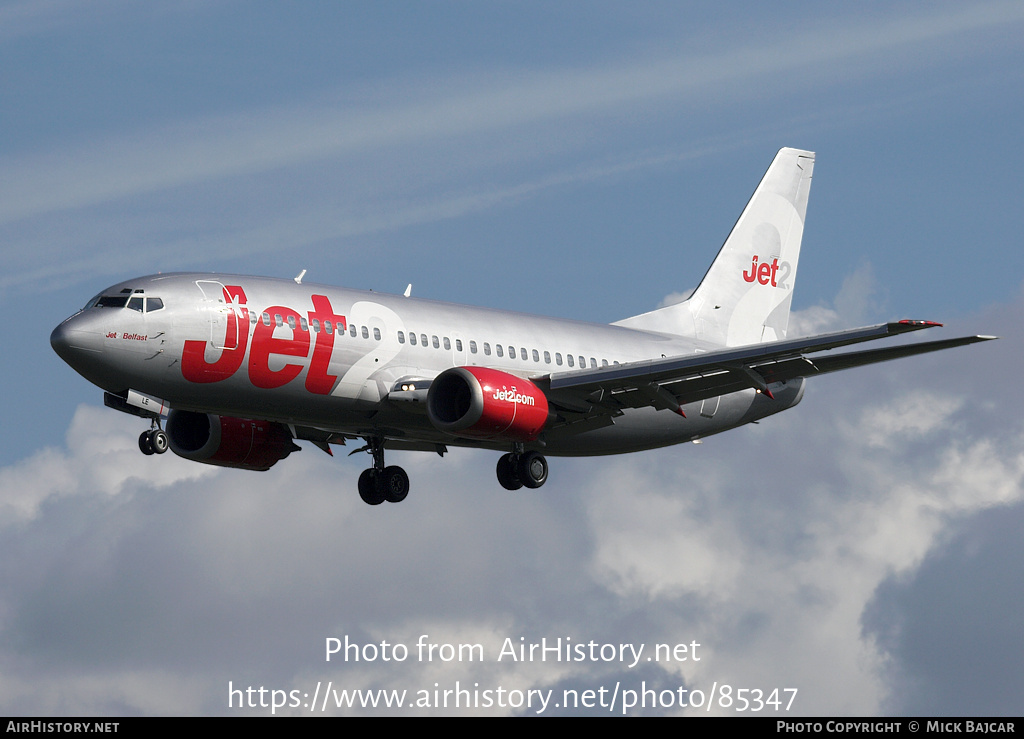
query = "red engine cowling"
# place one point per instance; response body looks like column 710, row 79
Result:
column 228, row 442
column 484, row 403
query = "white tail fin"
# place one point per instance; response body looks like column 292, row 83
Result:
column 745, row 296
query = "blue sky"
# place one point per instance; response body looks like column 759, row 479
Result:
column 583, row 160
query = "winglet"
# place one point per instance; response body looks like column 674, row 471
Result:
column 906, row 325
column 923, row 324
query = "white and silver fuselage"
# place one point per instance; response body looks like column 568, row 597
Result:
column 335, row 359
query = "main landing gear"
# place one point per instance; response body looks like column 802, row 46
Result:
column 153, row 441
column 380, row 483
column 522, row 468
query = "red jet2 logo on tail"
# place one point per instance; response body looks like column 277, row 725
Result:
column 195, row 368
column 763, row 274
column 768, row 272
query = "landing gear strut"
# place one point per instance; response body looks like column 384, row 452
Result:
column 522, row 468
column 153, row 441
column 380, row 483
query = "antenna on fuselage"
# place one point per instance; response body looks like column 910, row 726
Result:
column 298, row 278
column 408, row 290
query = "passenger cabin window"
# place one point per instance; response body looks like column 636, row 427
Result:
column 447, row 343
column 365, row 333
column 401, row 337
column 376, row 334
column 499, row 350
column 472, row 347
column 412, row 338
column 487, row 349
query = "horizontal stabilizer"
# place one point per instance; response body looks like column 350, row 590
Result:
column 823, row 365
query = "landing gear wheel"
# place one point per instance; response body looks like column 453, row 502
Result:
column 507, row 474
column 146, row 444
column 370, row 491
column 395, row 484
column 158, row 441
column 532, row 469
column 380, row 483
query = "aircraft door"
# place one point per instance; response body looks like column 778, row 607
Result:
column 223, row 332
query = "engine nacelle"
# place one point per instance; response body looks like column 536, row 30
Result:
column 484, row 403
column 228, row 442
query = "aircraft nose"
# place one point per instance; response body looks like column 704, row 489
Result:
column 60, row 340
column 75, row 336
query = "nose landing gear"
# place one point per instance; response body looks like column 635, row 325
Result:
column 153, row 441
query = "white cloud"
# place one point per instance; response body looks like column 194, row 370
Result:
column 102, row 458
column 855, row 304
column 785, row 610
column 909, row 417
column 764, row 545
column 673, row 298
column 659, row 541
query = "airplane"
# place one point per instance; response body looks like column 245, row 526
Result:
column 243, row 367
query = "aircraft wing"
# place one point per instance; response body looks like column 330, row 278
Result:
column 671, row 382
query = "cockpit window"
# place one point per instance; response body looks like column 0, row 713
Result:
column 111, row 301
column 126, row 299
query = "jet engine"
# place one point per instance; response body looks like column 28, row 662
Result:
column 483, row 403
column 228, row 442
